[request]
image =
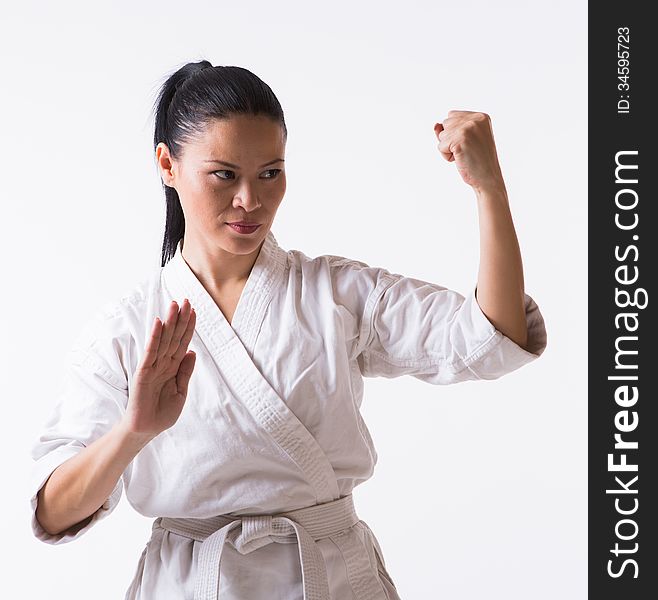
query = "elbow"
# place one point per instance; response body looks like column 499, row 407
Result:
column 519, row 336
column 53, row 527
column 41, row 514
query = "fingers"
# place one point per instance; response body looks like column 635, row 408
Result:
column 180, row 328
column 153, row 343
column 187, row 336
column 450, row 132
column 168, row 329
column 461, row 113
column 447, row 155
column 444, row 144
column 185, row 372
column 170, row 339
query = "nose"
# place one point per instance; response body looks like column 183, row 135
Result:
column 246, row 197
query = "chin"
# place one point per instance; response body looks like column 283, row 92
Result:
column 243, row 243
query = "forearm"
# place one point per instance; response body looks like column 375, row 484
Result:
column 80, row 486
column 500, row 286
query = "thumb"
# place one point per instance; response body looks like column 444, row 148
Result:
column 438, row 128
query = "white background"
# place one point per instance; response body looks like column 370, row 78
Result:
column 480, row 489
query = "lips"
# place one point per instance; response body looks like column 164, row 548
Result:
column 243, row 223
column 238, row 227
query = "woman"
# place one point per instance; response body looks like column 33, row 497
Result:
column 235, row 420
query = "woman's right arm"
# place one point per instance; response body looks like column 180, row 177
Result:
column 80, row 485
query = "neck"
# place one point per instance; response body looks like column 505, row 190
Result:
column 214, row 266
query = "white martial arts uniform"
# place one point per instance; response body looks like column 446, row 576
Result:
column 272, row 421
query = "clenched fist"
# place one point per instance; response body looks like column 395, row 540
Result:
column 466, row 137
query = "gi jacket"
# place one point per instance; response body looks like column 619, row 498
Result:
column 272, row 418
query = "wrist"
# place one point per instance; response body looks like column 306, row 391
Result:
column 492, row 188
column 131, row 438
column 492, row 195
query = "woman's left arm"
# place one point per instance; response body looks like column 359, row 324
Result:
column 466, row 138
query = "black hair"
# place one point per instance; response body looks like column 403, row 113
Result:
column 189, row 99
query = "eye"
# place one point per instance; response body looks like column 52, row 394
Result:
column 273, row 174
column 223, row 171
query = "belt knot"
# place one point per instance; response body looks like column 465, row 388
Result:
column 255, row 531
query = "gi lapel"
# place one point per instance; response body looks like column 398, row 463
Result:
column 232, row 348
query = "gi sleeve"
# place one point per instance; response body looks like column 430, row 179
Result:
column 92, row 398
column 413, row 327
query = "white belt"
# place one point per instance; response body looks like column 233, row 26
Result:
column 247, row 533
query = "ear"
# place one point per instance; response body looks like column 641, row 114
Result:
column 165, row 164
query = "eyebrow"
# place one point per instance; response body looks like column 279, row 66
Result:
column 228, row 164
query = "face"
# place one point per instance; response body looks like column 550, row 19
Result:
column 233, row 172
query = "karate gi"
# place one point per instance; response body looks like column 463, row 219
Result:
column 272, row 420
